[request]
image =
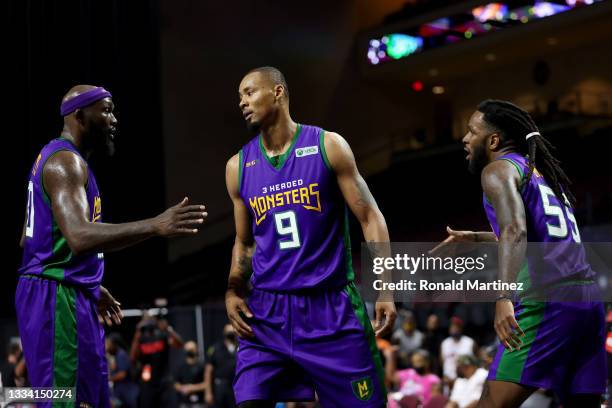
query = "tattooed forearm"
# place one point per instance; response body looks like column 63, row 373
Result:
column 242, row 267
column 376, row 249
column 245, row 266
column 364, row 196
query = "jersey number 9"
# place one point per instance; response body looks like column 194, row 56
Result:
column 286, row 227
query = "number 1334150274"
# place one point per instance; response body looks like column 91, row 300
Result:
column 26, row 394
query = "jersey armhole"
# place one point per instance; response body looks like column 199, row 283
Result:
column 240, row 164
column 322, row 149
column 518, row 167
column 41, row 180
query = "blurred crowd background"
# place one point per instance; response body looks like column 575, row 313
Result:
column 437, row 356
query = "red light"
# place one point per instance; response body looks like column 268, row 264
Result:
column 417, row 86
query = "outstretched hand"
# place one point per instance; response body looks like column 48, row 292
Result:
column 448, row 247
column 109, row 310
column 181, row 219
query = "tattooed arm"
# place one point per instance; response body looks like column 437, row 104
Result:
column 500, row 182
column 242, row 255
column 354, row 188
column 361, row 202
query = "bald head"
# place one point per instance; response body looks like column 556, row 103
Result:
column 274, row 76
column 76, row 91
column 88, row 117
column 191, row 346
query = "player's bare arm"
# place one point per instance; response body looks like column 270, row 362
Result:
column 65, row 179
column 242, row 256
column 361, row 202
column 449, row 245
column 501, row 183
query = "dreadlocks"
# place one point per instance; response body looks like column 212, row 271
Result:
column 514, row 125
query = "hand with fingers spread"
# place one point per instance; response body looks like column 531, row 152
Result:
column 237, row 309
column 449, row 245
column 181, row 219
column 507, row 328
column 109, row 310
column 385, row 317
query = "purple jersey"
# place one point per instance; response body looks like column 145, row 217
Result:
column 550, row 221
column 299, row 217
column 45, row 251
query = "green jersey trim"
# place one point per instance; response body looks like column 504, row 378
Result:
column 283, row 157
column 323, row 151
column 348, row 255
column 61, row 255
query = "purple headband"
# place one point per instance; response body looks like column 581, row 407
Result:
column 84, row 99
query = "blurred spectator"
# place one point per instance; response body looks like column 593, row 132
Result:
column 486, row 354
column 219, row 371
column 453, row 347
column 468, row 386
column 407, row 336
column 432, row 341
column 417, row 381
column 150, row 349
column 382, row 342
column 124, row 390
column 189, row 378
column 12, row 372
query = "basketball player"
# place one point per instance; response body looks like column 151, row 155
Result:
column 303, row 326
column 64, row 240
column 544, row 344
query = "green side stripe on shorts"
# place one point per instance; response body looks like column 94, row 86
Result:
column 65, row 338
column 362, row 316
column 511, row 364
column 524, row 278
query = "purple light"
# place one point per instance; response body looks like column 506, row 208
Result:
column 545, row 9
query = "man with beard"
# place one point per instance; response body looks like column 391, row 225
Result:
column 546, row 342
column 302, row 326
column 59, row 293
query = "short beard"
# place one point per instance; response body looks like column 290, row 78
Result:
column 109, row 148
column 478, row 160
column 253, row 127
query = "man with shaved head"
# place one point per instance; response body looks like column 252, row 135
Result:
column 291, row 297
column 59, row 293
